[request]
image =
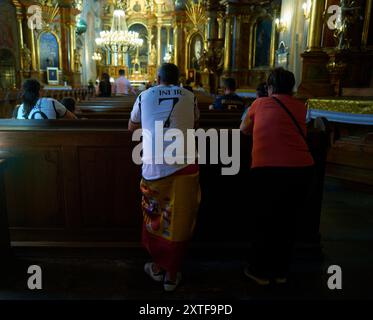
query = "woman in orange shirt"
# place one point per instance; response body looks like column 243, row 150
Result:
column 281, row 171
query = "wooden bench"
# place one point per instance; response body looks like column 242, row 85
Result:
column 71, row 183
column 74, row 182
column 5, row 248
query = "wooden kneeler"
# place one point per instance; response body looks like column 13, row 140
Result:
column 5, row 248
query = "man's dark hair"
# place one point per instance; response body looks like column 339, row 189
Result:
column 261, row 90
column 282, row 81
column 230, row 84
column 168, row 73
column 122, row 72
column 69, row 103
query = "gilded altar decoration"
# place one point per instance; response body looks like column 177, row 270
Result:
column 348, row 14
column 356, row 106
column 153, row 56
column 50, row 10
column 26, row 58
column 77, row 60
column 196, row 13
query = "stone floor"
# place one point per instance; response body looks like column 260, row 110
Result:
column 347, row 239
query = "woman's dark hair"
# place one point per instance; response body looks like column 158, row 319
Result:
column 105, row 77
column 282, row 81
column 261, row 90
column 69, row 103
column 30, row 95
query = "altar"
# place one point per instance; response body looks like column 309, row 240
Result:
column 358, row 111
column 351, row 123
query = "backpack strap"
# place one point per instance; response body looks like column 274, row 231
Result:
column 43, row 115
column 38, row 107
column 55, row 110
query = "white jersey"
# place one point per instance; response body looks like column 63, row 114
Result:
column 158, row 104
column 45, row 108
column 122, row 86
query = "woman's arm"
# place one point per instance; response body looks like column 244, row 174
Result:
column 246, row 126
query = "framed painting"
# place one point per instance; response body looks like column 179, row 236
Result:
column 48, row 51
column 52, row 76
column 263, row 34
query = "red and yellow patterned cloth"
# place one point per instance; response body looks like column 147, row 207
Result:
column 170, row 207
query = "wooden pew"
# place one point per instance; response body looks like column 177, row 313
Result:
column 5, row 248
column 74, row 181
column 69, row 181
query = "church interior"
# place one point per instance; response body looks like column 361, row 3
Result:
column 69, row 190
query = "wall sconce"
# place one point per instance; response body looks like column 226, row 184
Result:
column 281, row 25
column 307, row 5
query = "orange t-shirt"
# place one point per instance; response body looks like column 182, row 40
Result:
column 276, row 140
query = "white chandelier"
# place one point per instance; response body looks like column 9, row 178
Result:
column 119, row 39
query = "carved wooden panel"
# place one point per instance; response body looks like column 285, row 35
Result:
column 109, row 187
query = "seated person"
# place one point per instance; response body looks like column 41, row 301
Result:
column 230, row 100
column 199, row 87
column 34, row 107
column 188, row 85
column 261, row 92
column 104, row 87
column 122, row 85
column 69, row 104
column 97, row 91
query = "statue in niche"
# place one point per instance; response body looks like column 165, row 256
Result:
column 77, row 60
column 136, row 7
column 203, row 61
column 26, row 58
column 153, row 56
column 149, row 5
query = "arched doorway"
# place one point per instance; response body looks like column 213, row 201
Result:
column 7, row 69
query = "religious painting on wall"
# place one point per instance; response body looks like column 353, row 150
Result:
column 263, row 35
column 52, row 75
column 195, row 52
column 48, row 51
